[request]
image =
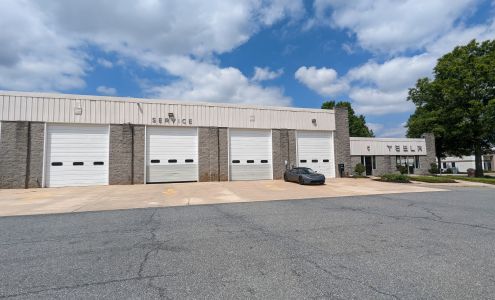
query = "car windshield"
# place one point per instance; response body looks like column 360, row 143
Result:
column 305, row 171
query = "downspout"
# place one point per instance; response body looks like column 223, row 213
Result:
column 28, row 156
column 132, row 153
column 218, row 154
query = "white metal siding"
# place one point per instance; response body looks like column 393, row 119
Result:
column 387, row 146
column 60, row 108
column 70, row 145
column 250, row 154
column 171, row 154
column 315, row 150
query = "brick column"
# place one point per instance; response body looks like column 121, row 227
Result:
column 126, row 161
column 342, row 144
column 425, row 161
column 21, row 154
column 223, row 153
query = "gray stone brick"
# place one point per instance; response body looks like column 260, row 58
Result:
column 278, row 164
column 21, row 149
column 120, row 161
column 139, row 155
column 204, row 154
column 284, row 150
column 430, row 157
column 213, row 154
column 35, row 162
column 213, row 149
column 223, row 153
column 126, row 162
column 13, row 150
column 342, row 144
column 292, row 146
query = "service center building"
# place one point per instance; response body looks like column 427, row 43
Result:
column 383, row 155
column 54, row 140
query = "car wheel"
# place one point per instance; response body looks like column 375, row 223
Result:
column 301, row 180
column 285, row 177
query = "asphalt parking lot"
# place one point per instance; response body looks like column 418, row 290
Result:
column 395, row 246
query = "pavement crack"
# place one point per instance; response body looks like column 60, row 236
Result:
column 154, row 247
column 89, row 284
column 435, row 218
column 339, row 277
column 250, row 225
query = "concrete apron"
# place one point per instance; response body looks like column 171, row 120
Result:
column 97, row 198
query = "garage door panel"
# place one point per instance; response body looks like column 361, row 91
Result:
column 246, row 172
column 173, row 173
column 315, row 151
column 72, row 151
column 172, row 154
column 250, row 154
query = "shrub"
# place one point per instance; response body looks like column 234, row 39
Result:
column 433, row 169
column 359, row 169
column 401, row 178
column 448, row 171
column 402, row 169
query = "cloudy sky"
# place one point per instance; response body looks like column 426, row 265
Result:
column 281, row 52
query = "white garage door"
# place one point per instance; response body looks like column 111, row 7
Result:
column 76, row 155
column 171, row 154
column 250, row 154
column 315, row 151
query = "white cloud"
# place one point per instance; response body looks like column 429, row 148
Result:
column 391, row 26
column 398, row 131
column 324, row 81
column 104, row 90
column 379, row 88
column 204, row 81
column 376, row 127
column 43, row 41
column 262, row 74
column 32, row 54
column 394, row 74
column 161, row 28
column 372, row 101
column 462, row 35
column 105, row 63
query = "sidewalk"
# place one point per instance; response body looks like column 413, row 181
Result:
column 96, row 198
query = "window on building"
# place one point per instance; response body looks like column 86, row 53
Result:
column 374, row 162
column 444, row 165
column 453, row 164
column 416, row 162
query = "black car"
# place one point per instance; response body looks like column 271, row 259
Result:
column 304, row 176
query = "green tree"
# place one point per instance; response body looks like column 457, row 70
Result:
column 458, row 104
column 357, row 123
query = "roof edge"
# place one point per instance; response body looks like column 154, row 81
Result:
column 157, row 101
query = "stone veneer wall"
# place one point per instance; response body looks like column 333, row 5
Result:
column 283, row 151
column 223, row 155
column 35, row 163
column 383, row 164
column 213, row 154
column 139, row 155
column 342, row 144
column 431, row 156
column 123, row 169
column 21, row 154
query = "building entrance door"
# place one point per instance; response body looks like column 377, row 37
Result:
column 368, row 165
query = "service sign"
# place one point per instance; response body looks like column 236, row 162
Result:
column 171, row 121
